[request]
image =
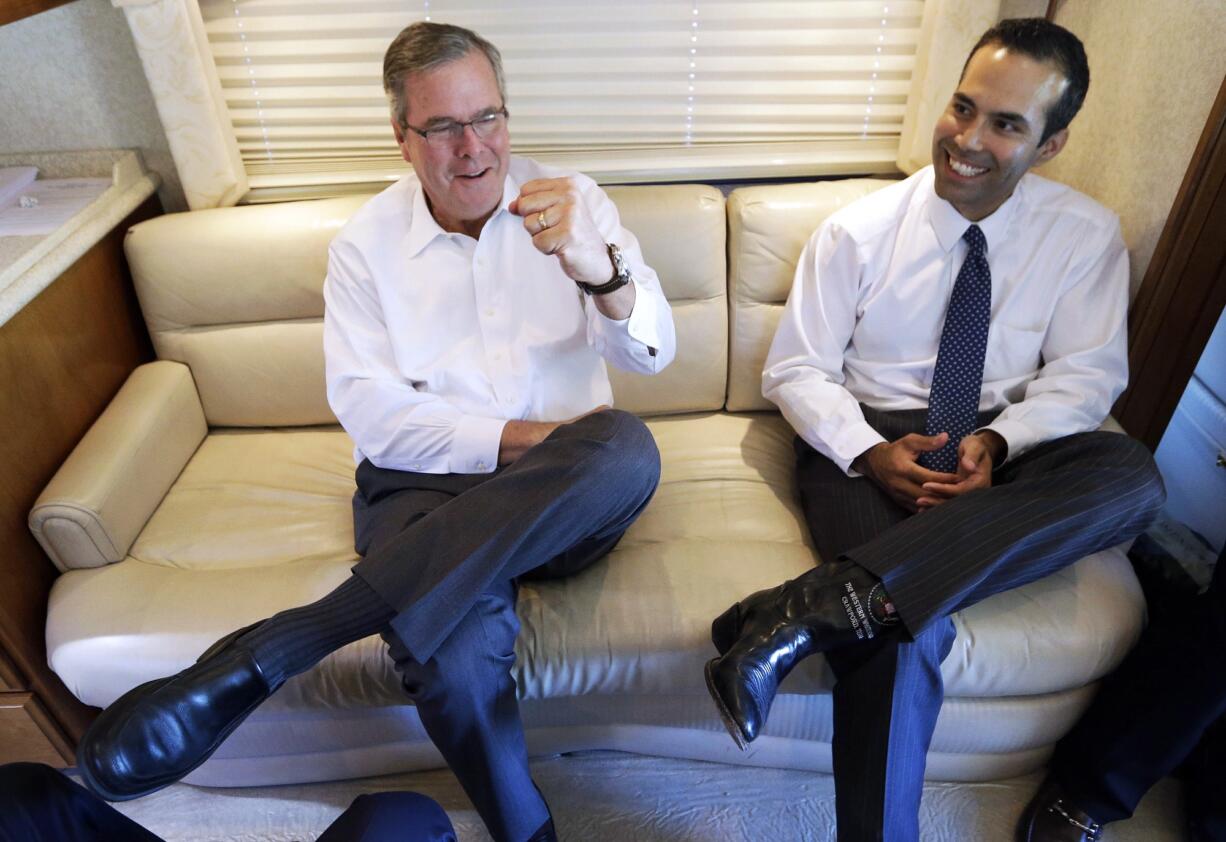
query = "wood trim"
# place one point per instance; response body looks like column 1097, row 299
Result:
column 29, row 734
column 1183, row 292
column 15, row 10
column 62, row 358
column 10, row 679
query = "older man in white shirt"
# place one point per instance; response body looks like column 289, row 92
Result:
column 949, row 349
column 470, row 311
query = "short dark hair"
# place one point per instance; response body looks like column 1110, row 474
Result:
column 1042, row 40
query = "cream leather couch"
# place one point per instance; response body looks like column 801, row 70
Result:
column 216, row 489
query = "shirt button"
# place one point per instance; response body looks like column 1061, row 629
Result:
column 490, row 313
column 508, row 400
column 498, row 355
column 417, row 467
column 481, row 465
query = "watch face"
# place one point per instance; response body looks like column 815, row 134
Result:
column 621, row 272
column 621, row 275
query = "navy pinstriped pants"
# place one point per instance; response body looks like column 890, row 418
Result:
column 1052, row 505
column 39, row 804
column 446, row 550
column 1166, row 702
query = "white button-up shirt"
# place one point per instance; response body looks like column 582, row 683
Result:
column 434, row 340
column 864, row 318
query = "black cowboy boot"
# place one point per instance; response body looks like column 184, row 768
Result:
column 762, row 637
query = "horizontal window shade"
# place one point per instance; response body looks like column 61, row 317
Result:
column 623, row 87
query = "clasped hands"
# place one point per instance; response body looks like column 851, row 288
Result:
column 893, row 466
column 561, row 225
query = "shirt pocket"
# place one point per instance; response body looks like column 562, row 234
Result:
column 1013, row 352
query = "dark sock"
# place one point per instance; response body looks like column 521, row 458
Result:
column 869, row 608
column 293, row 641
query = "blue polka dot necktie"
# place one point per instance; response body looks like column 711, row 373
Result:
column 953, row 400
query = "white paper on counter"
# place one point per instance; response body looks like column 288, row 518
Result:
column 13, row 180
column 58, row 200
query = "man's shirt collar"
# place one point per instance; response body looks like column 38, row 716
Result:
column 424, row 229
column 949, row 225
column 510, row 191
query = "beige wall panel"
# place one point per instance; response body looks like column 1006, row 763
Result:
column 1155, row 69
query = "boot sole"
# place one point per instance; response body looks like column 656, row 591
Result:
column 725, row 629
column 734, row 730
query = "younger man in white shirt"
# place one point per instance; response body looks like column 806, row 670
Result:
column 949, row 349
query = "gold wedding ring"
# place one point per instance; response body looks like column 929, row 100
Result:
column 540, row 220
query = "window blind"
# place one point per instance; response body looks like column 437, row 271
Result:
column 625, row 91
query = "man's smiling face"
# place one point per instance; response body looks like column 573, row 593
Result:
column 989, row 135
column 463, row 180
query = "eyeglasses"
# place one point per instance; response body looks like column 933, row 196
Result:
column 446, row 134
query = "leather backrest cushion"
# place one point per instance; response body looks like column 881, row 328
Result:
column 681, row 229
column 237, row 295
column 768, row 226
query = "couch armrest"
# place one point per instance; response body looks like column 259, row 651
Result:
column 101, row 497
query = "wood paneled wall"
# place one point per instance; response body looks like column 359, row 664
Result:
column 1184, row 291
column 62, row 358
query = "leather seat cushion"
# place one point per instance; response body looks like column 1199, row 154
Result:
column 260, row 520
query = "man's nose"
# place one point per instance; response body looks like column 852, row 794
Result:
column 468, row 143
column 970, row 136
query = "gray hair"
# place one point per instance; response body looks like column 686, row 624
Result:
column 424, row 46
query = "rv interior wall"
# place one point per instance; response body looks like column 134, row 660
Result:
column 1155, row 70
column 73, row 80
column 12, row 10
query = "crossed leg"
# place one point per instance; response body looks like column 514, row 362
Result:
column 1047, row 508
column 558, row 510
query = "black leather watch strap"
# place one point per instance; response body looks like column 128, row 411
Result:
column 621, row 275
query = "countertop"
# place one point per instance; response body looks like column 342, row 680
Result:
column 28, row 265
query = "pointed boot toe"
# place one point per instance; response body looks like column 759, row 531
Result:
column 737, row 710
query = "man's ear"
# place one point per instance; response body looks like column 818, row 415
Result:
column 401, row 142
column 1051, row 147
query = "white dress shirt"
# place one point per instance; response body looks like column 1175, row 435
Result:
column 864, row 318
column 434, row 340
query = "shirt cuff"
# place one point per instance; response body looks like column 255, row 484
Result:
column 853, row 441
column 1018, row 437
column 640, row 325
column 474, row 447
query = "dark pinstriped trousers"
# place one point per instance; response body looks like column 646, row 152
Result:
column 1047, row 508
column 39, row 804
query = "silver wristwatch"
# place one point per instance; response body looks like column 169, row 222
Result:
column 621, row 275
